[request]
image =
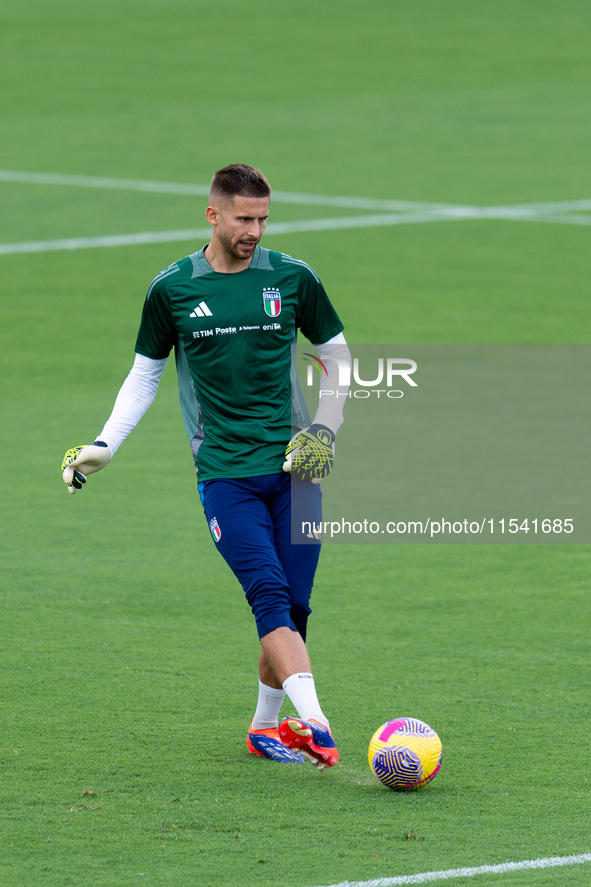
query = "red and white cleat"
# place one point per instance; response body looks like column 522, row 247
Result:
column 310, row 739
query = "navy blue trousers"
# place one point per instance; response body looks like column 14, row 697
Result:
column 250, row 523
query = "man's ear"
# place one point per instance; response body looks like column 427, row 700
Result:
column 212, row 215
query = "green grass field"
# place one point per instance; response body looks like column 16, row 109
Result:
column 128, row 653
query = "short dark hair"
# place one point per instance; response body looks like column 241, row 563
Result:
column 238, row 179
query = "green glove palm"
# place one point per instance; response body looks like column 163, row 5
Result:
column 310, row 453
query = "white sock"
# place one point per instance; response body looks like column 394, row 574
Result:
column 266, row 715
column 301, row 690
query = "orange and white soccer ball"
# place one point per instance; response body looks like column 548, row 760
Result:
column 405, row 754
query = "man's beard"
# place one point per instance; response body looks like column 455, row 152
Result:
column 231, row 248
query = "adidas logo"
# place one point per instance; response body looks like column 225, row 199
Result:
column 201, row 310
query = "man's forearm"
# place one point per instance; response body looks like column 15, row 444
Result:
column 330, row 406
column 135, row 396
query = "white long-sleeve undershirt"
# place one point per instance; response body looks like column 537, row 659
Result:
column 135, row 396
column 140, row 387
column 332, row 396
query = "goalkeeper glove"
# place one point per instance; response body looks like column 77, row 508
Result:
column 80, row 461
column 310, row 453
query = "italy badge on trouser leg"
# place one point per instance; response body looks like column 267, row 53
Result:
column 214, row 528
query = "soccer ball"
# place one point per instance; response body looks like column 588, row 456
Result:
column 405, row 754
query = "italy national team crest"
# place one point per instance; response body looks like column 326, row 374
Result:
column 215, row 530
column 272, row 302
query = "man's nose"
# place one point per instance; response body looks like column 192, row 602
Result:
column 256, row 228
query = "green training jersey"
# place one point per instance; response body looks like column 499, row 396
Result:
column 234, row 338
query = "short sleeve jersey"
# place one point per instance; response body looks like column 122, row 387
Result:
column 233, row 336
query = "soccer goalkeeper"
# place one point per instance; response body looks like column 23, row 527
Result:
column 231, row 311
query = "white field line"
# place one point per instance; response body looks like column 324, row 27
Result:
column 501, row 869
column 404, row 212
column 50, row 178
column 561, row 206
column 40, row 246
column 451, row 214
column 46, row 178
